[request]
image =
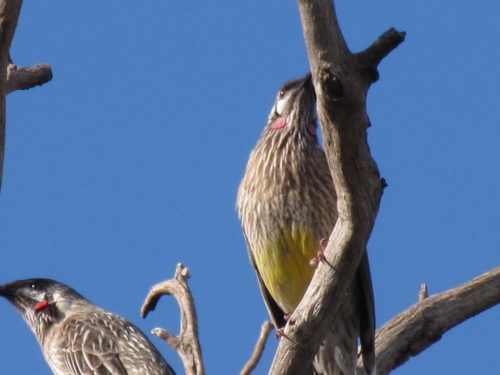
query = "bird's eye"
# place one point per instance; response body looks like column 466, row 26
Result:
column 281, row 94
column 36, row 286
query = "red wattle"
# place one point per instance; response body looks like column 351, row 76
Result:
column 40, row 305
column 279, row 123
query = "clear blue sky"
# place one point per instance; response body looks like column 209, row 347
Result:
column 128, row 161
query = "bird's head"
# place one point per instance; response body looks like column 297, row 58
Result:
column 295, row 107
column 42, row 302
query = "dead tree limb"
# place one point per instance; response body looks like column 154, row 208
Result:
column 9, row 13
column 422, row 324
column 27, row 77
column 341, row 80
column 186, row 344
column 406, row 335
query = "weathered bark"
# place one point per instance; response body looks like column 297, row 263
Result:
column 341, row 81
column 422, row 324
column 187, row 343
column 27, row 77
column 9, row 13
column 402, row 337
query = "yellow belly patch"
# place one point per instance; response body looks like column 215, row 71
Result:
column 284, row 266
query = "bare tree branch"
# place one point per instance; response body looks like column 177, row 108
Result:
column 9, row 13
column 259, row 348
column 341, row 91
column 404, row 336
column 186, row 343
column 341, row 86
column 370, row 58
column 422, row 324
column 27, row 77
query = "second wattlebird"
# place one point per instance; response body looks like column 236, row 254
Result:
column 80, row 338
column 287, row 205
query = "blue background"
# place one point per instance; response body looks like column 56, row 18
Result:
column 128, row 161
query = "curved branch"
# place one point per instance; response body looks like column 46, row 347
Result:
column 422, row 324
column 9, row 13
column 186, row 344
column 259, row 348
column 27, row 77
column 341, row 86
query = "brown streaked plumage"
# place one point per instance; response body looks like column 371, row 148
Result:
column 287, row 204
column 78, row 337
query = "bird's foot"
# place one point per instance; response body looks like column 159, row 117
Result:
column 280, row 332
column 320, row 256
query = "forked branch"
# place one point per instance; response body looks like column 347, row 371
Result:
column 341, row 85
column 407, row 334
column 186, row 344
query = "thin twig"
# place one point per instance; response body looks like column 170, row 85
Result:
column 187, row 342
column 423, row 292
column 259, row 348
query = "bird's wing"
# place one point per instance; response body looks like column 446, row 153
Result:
column 102, row 343
column 277, row 315
column 367, row 313
column 89, row 350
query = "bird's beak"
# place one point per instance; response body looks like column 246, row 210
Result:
column 307, row 84
column 307, row 80
column 7, row 291
column 15, row 296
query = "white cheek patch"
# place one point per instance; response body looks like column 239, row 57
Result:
column 281, row 103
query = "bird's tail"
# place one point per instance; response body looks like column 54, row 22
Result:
column 337, row 355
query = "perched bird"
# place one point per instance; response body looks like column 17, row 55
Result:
column 78, row 337
column 287, row 205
